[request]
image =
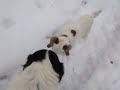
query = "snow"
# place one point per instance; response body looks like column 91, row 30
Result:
column 24, row 24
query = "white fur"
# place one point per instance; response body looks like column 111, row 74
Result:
column 38, row 74
column 82, row 27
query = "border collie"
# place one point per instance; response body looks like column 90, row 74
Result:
column 42, row 71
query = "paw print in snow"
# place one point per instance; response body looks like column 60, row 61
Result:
column 3, row 77
column 38, row 4
column 83, row 3
column 7, row 23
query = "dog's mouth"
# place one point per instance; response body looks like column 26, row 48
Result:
column 67, row 49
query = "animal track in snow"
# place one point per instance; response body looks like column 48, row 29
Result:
column 7, row 23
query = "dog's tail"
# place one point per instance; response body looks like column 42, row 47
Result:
column 96, row 13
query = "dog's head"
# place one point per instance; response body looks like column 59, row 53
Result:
column 41, row 55
column 61, row 44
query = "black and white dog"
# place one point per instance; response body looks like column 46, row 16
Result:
column 42, row 71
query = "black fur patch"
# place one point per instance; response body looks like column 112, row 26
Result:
column 35, row 57
column 57, row 66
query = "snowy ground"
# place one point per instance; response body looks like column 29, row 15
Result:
column 93, row 65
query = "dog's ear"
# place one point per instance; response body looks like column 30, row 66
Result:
column 56, row 64
column 29, row 61
column 66, row 49
column 52, row 41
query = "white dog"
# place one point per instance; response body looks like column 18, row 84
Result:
column 42, row 71
column 63, row 40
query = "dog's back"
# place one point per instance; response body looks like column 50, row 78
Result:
column 23, row 81
column 39, row 73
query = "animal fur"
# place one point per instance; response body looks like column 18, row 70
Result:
column 42, row 71
column 64, row 39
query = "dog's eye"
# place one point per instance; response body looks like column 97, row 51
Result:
column 65, row 47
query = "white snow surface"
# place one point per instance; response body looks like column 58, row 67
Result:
column 25, row 24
